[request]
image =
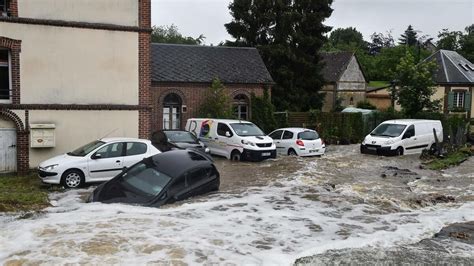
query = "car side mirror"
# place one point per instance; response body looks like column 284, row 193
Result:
column 227, row 134
column 96, row 156
column 407, row 136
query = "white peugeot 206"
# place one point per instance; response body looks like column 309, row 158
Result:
column 97, row 161
column 298, row 141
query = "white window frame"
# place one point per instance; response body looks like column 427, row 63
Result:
column 9, row 100
column 459, row 98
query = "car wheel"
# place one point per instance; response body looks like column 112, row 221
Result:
column 292, row 152
column 433, row 148
column 399, row 151
column 73, row 179
column 235, row 156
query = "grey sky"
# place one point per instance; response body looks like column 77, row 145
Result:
column 195, row 17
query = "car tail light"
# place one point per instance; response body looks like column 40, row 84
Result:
column 299, row 142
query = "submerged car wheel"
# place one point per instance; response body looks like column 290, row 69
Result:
column 292, row 152
column 399, row 151
column 73, row 179
column 235, row 156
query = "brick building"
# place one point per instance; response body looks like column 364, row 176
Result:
column 182, row 74
column 71, row 73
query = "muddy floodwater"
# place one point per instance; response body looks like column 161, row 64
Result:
column 343, row 207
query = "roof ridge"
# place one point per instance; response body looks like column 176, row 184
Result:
column 445, row 69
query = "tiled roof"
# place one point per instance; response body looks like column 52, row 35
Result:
column 335, row 63
column 452, row 68
column 193, row 63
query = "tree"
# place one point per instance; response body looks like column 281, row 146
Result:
column 415, row 84
column 466, row 43
column 170, row 34
column 449, row 40
column 262, row 112
column 380, row 41
column 288, row 35
column 409, row 38
column 216, row 102
column 346, row 39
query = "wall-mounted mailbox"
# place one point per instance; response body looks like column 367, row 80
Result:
column 42, row 135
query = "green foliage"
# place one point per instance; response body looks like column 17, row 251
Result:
column 22, row 193
column 415, row 85
column 345, row 39
column 449, row 40
column 288, row 35
column 216, row 103
column 366, row 105
column 452, row 159
column 378, row 84
column 263, row 112
column 170, row 34
column 466, row 43
column 409, row 38
column 343, row 128
column 461, row 42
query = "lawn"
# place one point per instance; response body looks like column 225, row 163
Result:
column 378, row 84
column 452, row 159
column 22, row 193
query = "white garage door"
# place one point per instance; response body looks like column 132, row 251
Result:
column 7, row 150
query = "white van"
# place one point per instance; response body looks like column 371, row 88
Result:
column 233, row 139
column 404, row 136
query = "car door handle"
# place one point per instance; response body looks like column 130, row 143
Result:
column 12, row 146
column 278, row 142
column 118, row 161
column 216, row 138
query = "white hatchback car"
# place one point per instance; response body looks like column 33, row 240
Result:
column 97, row 161
column 298, row 141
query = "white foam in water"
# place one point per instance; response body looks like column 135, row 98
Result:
column 272, row 225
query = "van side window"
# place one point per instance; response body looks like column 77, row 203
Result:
column 410, row 132
column 288, row 135
column 222, row 129
column 276, row 134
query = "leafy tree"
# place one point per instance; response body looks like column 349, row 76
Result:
column 466, row 43
column 170, row 34
column 415, row 85
column 288, row 35
column 449, row 40
column 380, row 41
column 345, row 39
column 216, row 102
column 262, row 112
column 409, row 38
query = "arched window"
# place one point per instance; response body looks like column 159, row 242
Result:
column 172, row 111
column 241, row 107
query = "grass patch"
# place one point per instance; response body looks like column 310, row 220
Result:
column 452, row 159
column 378, row 84
column 22, row 193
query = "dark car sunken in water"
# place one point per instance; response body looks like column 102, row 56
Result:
column 161, row 179
column 166, row 140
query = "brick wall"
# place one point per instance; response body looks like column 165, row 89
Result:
column 144, row 63
column 192, row 95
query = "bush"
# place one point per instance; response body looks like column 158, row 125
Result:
column 366, row 105
column 216, row 103
column 263, row 112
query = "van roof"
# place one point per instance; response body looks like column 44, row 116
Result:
column 222, row 120
column 410, row 121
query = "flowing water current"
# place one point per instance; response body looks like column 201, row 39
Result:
column 269, row 213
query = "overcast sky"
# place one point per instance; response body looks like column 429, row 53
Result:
column 195, row 17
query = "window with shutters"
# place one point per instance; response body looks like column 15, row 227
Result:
column 459, row 101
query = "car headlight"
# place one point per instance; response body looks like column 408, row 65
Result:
column 245, row 142
column 206, row 150
column 389, row 142
column 363, row 142
column 50, row 167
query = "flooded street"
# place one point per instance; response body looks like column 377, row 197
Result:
column 342, row 207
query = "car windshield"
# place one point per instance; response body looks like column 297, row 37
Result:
column 86, row 149
column 246, row 129
column 181, row 136
column 144, row 179
column 308, row 135
column 388, row 130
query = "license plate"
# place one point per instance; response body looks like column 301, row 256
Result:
column 266, row 153
column 372, row 148
column 313, row 151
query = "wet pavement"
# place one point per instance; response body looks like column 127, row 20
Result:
column 342, row 205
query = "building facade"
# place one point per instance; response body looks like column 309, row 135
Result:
column 182, row 76
column 345, row 82
column 71, row 73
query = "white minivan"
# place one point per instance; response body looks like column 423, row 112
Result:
column 404, row 136
column 233, row 139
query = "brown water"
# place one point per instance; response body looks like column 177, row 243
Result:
column 271, row 212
